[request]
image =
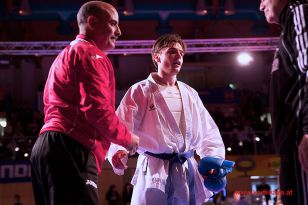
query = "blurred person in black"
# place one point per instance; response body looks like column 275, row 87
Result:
column 289, row 96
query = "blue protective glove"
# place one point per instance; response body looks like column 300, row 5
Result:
column 214, row 170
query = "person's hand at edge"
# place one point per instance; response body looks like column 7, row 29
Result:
column 303, row 152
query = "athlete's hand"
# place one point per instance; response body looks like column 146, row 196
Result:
column 119, row 159
column 132, row 148
column 303, row 152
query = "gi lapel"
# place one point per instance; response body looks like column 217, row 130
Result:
column 187, row 113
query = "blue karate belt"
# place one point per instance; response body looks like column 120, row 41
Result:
column 178, row 158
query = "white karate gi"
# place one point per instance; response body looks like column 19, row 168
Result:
column 144, row 111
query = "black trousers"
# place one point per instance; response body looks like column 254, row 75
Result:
column 63, row 171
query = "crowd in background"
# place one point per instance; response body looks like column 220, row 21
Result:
column 22, row 125
column 245, row 127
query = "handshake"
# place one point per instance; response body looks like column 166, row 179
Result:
column 119, row 159
column 214, row 171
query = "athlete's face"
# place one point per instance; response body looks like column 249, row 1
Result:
column 272, row 9
column 170, row 59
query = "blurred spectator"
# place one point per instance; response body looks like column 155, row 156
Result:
column 5, row 152
column 266, row 189
column 17, row 199
column 239, row 200
column 127, row 194
column 112, row 196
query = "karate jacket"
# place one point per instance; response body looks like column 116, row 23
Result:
column 144, row 111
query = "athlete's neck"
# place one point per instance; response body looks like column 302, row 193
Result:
column 164, row 80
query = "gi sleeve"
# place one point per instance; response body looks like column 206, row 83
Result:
column 132, row 107
column 211, row 143
column 130, row 112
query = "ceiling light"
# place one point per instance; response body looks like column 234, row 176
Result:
column 201, row 7
column 128, row 8
column 244, row 58
column 24, row 8
column 229, row 7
